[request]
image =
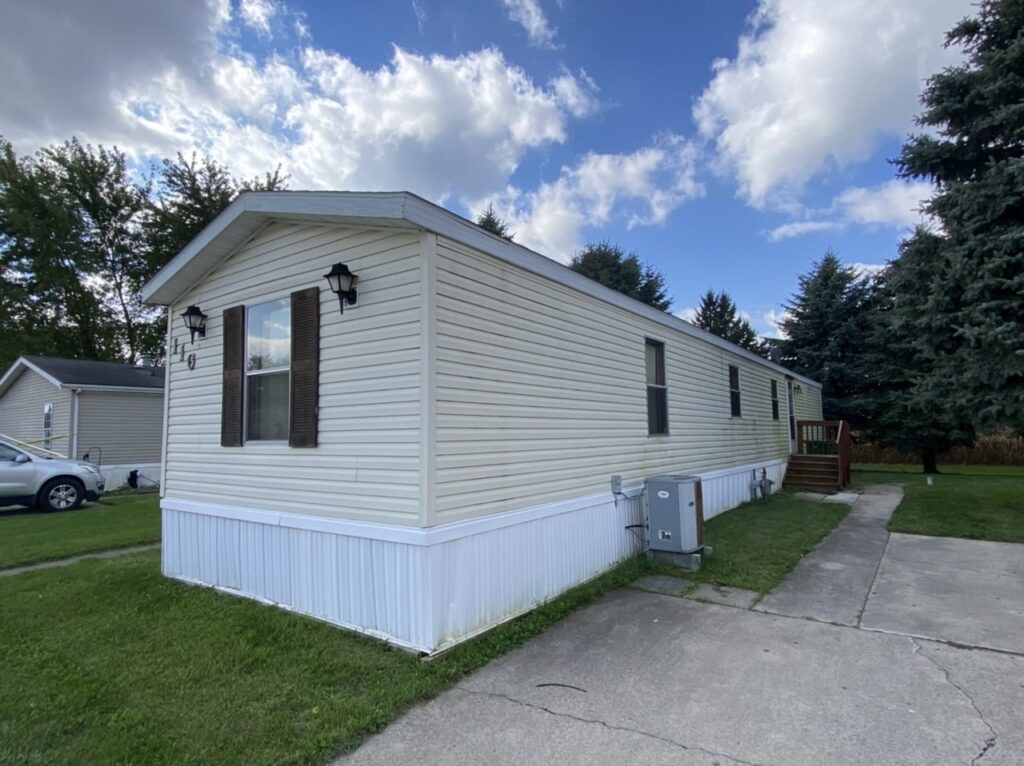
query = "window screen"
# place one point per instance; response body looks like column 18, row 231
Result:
column 267, row 369
column 657, row 391
column 734, row 390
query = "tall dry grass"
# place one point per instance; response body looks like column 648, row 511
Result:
column 1002, row 448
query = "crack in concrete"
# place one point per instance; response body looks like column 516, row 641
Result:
column 610, row 726
column 874, row 577
column 990, row 742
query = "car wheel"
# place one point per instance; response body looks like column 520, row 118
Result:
column 61, row 495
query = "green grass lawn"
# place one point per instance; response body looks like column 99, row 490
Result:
column 977, row 502
column 759, row 543
column 30, row 536
column 107, row 661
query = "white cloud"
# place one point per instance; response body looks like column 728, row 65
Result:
column 530, row 16
column 688, row 314
column 800, row 228
column 816, row 86
column 64, row 63
column 640, row 188
column 577, row 94
column 446, row 127
column 421, row 14
column 868, row 269
column 769, row 323
column 439, row 126
column 894, row 203
column 258, row 14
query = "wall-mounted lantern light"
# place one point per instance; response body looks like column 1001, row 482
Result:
column 343, row 284
column 195, row 321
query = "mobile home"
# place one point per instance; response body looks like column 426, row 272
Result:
column 429, row 451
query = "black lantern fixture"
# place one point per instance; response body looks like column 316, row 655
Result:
column 343, row 284
column 195, row 321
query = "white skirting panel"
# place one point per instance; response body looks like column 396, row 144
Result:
column 377, row 587
column 424, row 589
column 730, row 487
column 116, row 476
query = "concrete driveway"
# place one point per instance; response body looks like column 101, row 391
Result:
column 921, row 663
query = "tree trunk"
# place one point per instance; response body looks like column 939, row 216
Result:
column 928, row 457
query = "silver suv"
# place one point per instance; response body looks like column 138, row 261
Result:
column 54, row 484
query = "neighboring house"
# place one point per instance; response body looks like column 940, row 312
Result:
column 437, row 458
column 112, row 413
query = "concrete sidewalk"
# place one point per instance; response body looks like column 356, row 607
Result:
column 835, row 666
column 646, row 678
column 832, row 583
column 964, row 591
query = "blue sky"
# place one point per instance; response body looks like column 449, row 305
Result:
column 728, row 142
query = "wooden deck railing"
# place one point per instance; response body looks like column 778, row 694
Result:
column 827, row 437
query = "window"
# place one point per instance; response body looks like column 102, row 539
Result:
column 734, row 390
column 657, row 392
column 267, row 370
column 47, row 424
column 271, row 367
column 775, row 400
column 8, row 454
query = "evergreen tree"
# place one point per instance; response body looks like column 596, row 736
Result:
column 972, row 317
column 490, row 221
column 828, row 329
column 612, row 267
column 908, row 401
column 717, row 314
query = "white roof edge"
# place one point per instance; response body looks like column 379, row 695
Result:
column 398, row 206
column 15, row 370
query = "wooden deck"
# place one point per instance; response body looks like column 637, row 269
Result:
column 821, row 462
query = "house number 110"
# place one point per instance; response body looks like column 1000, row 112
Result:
column 179, row 349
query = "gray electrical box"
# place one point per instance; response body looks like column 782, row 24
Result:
column 675, row 514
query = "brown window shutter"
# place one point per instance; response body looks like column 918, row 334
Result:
column 234, row 377
column 305, row 391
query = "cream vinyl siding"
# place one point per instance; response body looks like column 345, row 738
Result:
column 126, row 426
column 541, row 393
column 21, row 410
column 366, row 466
column 807, row 403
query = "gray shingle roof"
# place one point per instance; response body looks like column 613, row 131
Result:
column 85, row 372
